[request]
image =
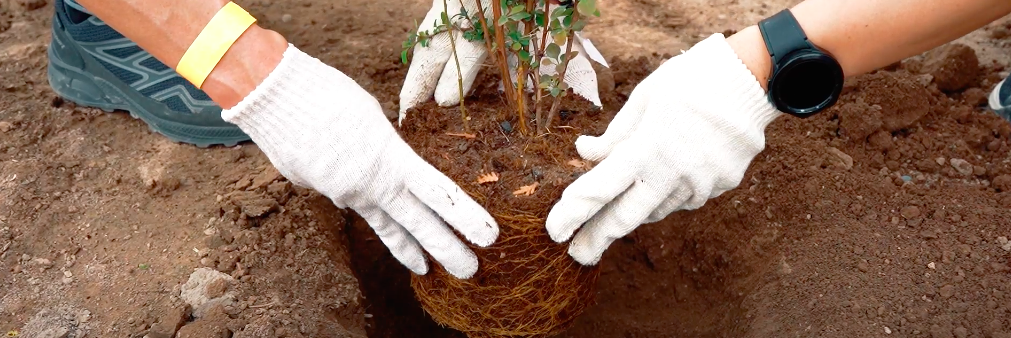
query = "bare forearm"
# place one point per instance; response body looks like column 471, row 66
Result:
column 166, row 28
column 864, row 35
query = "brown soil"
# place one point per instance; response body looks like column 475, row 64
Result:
column 527, row 285
column 886, row 216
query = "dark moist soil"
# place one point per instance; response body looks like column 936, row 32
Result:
column 526, row 282
column 884, row 211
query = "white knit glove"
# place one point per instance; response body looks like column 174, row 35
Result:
column 687, row 134
column 323, row 131
column 433, row 68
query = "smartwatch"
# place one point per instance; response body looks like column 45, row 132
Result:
column 805, row 80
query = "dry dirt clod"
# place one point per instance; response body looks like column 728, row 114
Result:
column 1004, row 243
column 59, row 322
column 4, row 125
column 32, row 5
column 1002, row 182
column 840, row 159
column 954, row 66
column 196, row 292
column 909, row 212
column 169, row 321
column 962, row 166
column 947, row 291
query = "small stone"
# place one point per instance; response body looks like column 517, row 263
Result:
column 286, row 18
column 961, row 332
column 907, row 178
column 932, row 266
column 911, row 211
column 841, row 159
column 1004, row 243
column 962, row 166
column 68, row 274
column 863, row 266
column 978, row 170
column 67, row 280
column 5, row 126
column 42, row 262
column 940, row 160
column 506, row 126
column 887, row 330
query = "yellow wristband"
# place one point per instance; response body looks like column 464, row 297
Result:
column 211, row 44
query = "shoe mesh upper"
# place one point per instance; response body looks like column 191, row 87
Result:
column 129, row 63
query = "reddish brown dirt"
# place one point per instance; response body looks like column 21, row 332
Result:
column 886, row 212
column 527, row 285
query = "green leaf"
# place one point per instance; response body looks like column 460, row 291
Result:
column 517, row 46
column 524, row 55
column 587, row 7
column 571, row 55
column 403, row 57
column 560, row 12
column 578, row 25
column 559, row 38
column 539, row 19
column 445, row 18
column 552, row 51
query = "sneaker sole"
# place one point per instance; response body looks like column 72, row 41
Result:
column 995, row 104
column 89, row 90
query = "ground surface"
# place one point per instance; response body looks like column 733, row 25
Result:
column 885, row 217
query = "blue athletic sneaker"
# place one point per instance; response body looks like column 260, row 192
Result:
column 93, row 65
column 1000, row 99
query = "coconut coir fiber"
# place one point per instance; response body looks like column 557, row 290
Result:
column 526, row 285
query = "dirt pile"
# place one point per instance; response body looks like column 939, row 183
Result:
column 843, row 227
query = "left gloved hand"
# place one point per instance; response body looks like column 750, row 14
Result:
column 687, row 134
column 433, row 68
column 323, row 131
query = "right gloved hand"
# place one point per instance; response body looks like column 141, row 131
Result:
column 687, row 134
column 321, row 130
column 433, row 68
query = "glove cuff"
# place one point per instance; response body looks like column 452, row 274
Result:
column 743, row 95
column 297, row 97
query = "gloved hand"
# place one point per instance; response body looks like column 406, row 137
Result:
column 433, row 68
column 322, row 130
column 687, row 134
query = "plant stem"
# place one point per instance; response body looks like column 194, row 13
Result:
column 521, row 74
column 538, row 108
column 503, row 61
column 459, row 76
column 561, row 77
column 495, row 54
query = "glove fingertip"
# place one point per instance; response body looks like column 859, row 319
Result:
column 561, row 223
column 485, row 235
column 584, row 255
column 419, row 269
column 464, row 270
column 446, row 98
column 592, row 148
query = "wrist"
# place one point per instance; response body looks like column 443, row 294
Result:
column 246, row 64
column 750, row 48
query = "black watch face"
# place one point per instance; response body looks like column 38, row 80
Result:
column 807, row 83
